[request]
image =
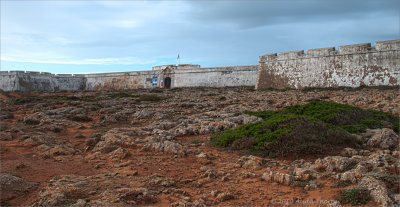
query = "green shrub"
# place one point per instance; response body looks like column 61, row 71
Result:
column 342, row 183
column 28, row 99
column 318, row 127
column 151, row 98
column 350, row 166
column 350, row 118
column 125, row 94
column 301, row 183
column 345, row 88
column 355, row 196
column 176, row 89
column 195, row 141
column 89, row 98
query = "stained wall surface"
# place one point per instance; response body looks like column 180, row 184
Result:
column 350, row 65
column 31, row 81
column 181, row 76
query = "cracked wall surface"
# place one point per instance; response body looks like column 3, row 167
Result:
column 350, row 65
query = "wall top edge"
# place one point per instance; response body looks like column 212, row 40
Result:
column 387, row 42
column 130, row 73
column 322, row 49
column 341, row 50
column 292, row 52
column 356, row 45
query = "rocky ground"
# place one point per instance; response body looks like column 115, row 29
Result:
column 151, row 147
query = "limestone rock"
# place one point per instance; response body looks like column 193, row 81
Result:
column 305, row 174
column 12, row 186
column 5, row 136
column 333, row 163
column 383, row 138
column 224, row 196
column 377, row 189
column 354, row 175
column 167, row 147
column 349, row 152
column 281, row 178
column 253, row 163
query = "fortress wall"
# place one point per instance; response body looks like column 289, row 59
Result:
column 120, row 80
column 215, row 76
column 350, row 65
column 31, row 81
column 180, row 77
column 9, row 80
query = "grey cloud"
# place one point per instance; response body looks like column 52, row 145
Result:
column 251, row 14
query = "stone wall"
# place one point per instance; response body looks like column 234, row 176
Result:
column 215, row 76
column 181, row 76
column 31, row 81
column 350, row 65
column 120, row 80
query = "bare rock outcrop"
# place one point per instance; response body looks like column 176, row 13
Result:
column 383, row 138
column 377, row 189
column 12, row 186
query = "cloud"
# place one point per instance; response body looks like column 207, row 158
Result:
column 212, row 33
column 92, row 61
column 254, row 13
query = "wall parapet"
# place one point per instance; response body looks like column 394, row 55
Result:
column 331, row 51
column 349, row 65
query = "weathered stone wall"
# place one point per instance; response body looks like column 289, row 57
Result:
column 9, row 80
column 215, row 76
column 181, row 76
column 31, row 81
column 350, row 65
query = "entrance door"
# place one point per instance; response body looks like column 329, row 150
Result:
column 167, row 82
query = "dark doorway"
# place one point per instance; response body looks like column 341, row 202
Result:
column 167, row 82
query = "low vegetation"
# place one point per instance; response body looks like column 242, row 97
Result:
column 318, row 127
column 355, row 196
column 342, row 183
column 384, row 87
column 151, row 98
column 124, row 94
column 34, row 99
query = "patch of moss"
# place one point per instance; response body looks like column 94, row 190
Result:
column 318, row 127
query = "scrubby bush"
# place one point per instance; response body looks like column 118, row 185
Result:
column 123, row 94
column 152, row 98
column 318, row 127
column 355, row 196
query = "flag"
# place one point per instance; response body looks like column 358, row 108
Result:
column 178, row 57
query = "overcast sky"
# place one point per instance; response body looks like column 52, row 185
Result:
column 104, row 36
